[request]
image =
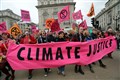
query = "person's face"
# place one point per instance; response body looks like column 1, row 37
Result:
column 110, row 30
column 94, row 31
column 4, row 36
column 49, row 33
column 27, row 31
column 80, row 30
column 61, row 35
column 87, row 33
column 43, row 34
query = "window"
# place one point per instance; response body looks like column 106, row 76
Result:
column 55, row 9
column 45, row 15
column 42, row 3
column 110, row 18
column 48, row 2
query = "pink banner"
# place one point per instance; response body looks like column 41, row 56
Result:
column 3, row 26
column 83, row 24
column 77, row 15
column 50, row 55
column 25, row 15
column 64, row 14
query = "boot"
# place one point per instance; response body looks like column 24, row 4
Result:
column 76, row 68
column 0, row 74
column 12, row 77
column 91, row 69
column 7, row 77
column 63, row 73
column 29, row 76
column 101, row 64
column 110, row 55
column 81, row 71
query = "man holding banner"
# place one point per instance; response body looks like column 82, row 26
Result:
column 28, row 39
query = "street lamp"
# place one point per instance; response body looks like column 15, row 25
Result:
column 116, row 19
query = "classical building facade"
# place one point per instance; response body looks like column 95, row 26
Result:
column 50, row 8
column 110, row 15
column 9, row 17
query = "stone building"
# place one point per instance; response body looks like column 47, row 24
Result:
column 9, row 17
column 110, row 15
column 50, row 8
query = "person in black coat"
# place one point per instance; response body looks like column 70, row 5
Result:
column 50, row 37
column 80, row 38
column 42, row 39
column 95, row 35
column 61, row 39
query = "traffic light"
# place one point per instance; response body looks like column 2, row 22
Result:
column 97, row 24
column 93, row 21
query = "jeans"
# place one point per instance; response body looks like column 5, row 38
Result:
column 61, row 69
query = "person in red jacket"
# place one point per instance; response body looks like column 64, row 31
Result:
column 4, row 44
column 28, row 39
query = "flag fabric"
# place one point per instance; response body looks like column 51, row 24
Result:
column 77, row 15
column 83, row 24
column 3, row 26
column 49, row 22
column 55, row 26
column 15, row 31
column 64, row 14
column 25, row 15
column 92, row 11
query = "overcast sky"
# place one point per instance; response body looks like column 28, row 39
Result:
column 17, row 5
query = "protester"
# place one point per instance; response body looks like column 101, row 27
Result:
column 78, row 37
column 4, row 44
column 96, row 34
column 88, row 38
column 108, row 33
column 28, row 39
column 61, row 38
column 66, row 36
column 50, row 37
column 42, row 39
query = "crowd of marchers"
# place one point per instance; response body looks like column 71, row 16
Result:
column 27, row 37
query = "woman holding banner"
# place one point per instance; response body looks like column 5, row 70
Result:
column 88, row 38
column 78, row 38
column 28, row 39
column 61, row 69
column 4, row 44
column 42, row 39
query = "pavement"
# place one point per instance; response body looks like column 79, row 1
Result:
column 112, row 72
